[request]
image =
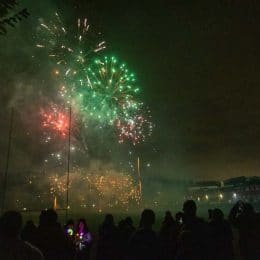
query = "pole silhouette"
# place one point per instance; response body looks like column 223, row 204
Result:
column 68, row 165
column 7, row 160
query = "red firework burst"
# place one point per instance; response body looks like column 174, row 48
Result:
column 56, row 119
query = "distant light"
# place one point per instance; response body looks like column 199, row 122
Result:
column 198, row 198
column 93, row 205
column 148, row 164
column 24, row 209
column 234, row 195
column 207, row 197
column 221, row 196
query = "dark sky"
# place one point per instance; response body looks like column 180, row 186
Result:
column 197, row 64
column 197, row 61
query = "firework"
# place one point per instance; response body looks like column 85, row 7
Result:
column 56, row 120
column 110, row 189
column 135, row 130
column 56, row 125
column 110, row 91
column 104, row 96
column 117, row 189
column 57, row 185
column 70, row 48
column 104, row 90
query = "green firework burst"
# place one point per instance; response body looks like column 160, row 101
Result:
column 110, row 91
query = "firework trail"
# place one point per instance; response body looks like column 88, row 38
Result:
column 70, row 48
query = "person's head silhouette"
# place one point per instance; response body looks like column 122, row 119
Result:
column 217, row 215
column 82, row 225
column 51, row 217
column 129, row 221
column 108, row 221
column 48, row 217
column 147, row 219
column 190, row 208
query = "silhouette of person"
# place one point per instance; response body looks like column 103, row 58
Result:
column 52, row 239
column 179, row 216
column 11, row 245
column 29, row 232
column 193, row 238
column 221, row 237
column 83, row 240
column 108, row 240
column 130, row 229
column 243, row 217
column 144, row 243
column 168, row 236
column 122, row 240
column 210, row 214
column 126, row 230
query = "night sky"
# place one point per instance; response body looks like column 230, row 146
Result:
column 196, row 62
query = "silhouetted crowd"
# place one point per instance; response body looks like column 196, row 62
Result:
column 183, row 237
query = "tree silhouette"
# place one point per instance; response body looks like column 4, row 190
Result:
column 9, row 15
